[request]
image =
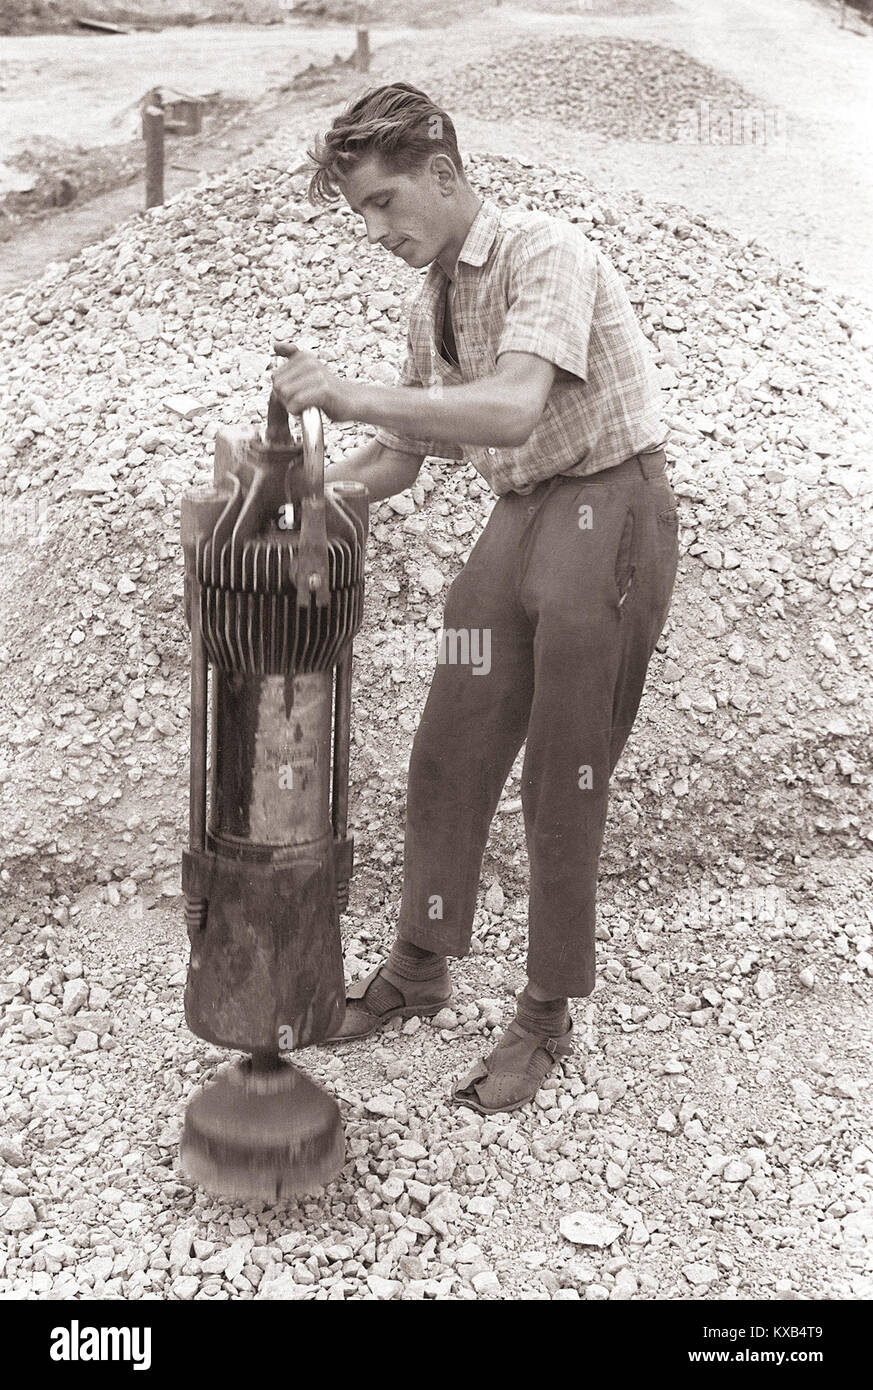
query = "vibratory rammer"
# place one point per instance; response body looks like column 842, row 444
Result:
column 274, row 592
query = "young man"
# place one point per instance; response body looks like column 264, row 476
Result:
column 524, row 357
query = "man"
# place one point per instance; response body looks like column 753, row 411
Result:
column 523, row 356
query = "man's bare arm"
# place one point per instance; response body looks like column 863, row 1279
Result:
column 501, row 409
column 383, row 471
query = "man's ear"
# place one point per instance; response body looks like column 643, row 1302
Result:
column 446, row 173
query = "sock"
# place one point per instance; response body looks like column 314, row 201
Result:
column 414, row 963
column 417, row 952
column 410, row 962
column 548, row 1016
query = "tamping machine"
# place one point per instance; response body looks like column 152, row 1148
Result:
column 274, row 590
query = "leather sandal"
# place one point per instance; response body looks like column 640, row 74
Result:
column 417, row 996
column 511, row 1075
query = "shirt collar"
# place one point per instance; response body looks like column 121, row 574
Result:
column 480, row 237
column 478, row 241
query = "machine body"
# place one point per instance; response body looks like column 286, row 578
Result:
column 274, row 565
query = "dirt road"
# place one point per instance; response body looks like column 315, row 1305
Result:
column 96, row 82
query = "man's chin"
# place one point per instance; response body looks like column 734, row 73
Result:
column 415, row 256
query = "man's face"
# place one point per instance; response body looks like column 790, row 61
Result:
column 405, row 213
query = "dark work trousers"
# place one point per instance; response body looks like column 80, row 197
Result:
column 566, row 590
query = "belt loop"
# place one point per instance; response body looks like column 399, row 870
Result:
column 652, row 464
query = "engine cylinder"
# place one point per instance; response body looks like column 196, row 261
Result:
column 279, row 752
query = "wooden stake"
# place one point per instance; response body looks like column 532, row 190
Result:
column 153, row 130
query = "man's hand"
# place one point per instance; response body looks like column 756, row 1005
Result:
column 304, row 381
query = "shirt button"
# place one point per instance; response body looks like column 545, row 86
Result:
column 492, row 451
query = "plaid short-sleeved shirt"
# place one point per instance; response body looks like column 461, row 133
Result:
column 528, row 282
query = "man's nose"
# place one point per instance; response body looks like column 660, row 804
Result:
column 375, row 232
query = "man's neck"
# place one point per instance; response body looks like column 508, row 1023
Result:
column 467, row 210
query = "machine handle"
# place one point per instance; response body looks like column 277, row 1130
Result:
column 312, row 430
column 279, row 437
column 312, row 567
column 278, row 430
column 312, row 570
column 279, row 433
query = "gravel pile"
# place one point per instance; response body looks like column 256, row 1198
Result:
column 677, row 1156
column 620, row 8
column 758, row 710
column 626, row 89
column 389, row 12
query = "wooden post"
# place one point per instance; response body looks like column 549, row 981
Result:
column 153, row 130
column 362, row 48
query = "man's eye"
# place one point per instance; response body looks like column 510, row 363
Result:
column 384, row 203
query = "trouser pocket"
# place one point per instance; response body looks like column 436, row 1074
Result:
column 624, row 565
column 667, row 524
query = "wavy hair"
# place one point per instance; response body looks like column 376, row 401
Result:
column 397, row 122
